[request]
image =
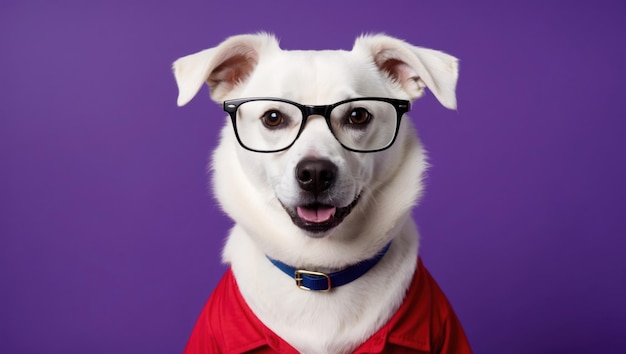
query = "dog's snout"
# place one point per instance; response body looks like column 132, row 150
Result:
column 315, row 175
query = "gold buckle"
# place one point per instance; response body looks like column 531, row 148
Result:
column 298, row 278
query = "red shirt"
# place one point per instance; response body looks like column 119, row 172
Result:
column 424, row 323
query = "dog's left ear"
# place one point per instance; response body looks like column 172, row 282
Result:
column 413, row 67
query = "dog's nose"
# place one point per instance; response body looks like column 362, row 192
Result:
column 315, row 175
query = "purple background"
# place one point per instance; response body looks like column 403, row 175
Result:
column 110, row 238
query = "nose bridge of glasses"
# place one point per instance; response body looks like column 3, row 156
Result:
column 310, row 110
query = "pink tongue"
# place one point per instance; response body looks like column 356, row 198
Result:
column 317, row 214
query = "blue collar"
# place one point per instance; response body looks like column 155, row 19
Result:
column 318, row 281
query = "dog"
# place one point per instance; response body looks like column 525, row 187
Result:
column 319, row 167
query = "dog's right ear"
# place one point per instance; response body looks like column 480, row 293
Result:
column 222, row 67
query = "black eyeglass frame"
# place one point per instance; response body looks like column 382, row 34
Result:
column 401, row 106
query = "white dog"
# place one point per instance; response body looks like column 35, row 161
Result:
column 319, row 168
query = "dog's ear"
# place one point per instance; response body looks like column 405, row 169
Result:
column 413, row 67
column 222, row 67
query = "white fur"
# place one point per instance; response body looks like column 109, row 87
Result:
column 251, row 186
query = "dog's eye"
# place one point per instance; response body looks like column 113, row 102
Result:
column 359, row 116
column 272, row 119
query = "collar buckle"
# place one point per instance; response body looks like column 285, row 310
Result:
column 299, row 277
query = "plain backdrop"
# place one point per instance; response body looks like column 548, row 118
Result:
column 110, row 238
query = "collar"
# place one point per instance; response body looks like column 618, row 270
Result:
column 318, row 281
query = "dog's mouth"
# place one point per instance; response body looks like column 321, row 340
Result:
column 318, row 218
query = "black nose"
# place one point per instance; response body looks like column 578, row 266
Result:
column 315, row 176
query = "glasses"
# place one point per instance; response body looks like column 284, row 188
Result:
column 265, row 124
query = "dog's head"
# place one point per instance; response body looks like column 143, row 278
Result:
column 317, row 174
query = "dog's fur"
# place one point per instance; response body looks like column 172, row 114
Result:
column 255, row 189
